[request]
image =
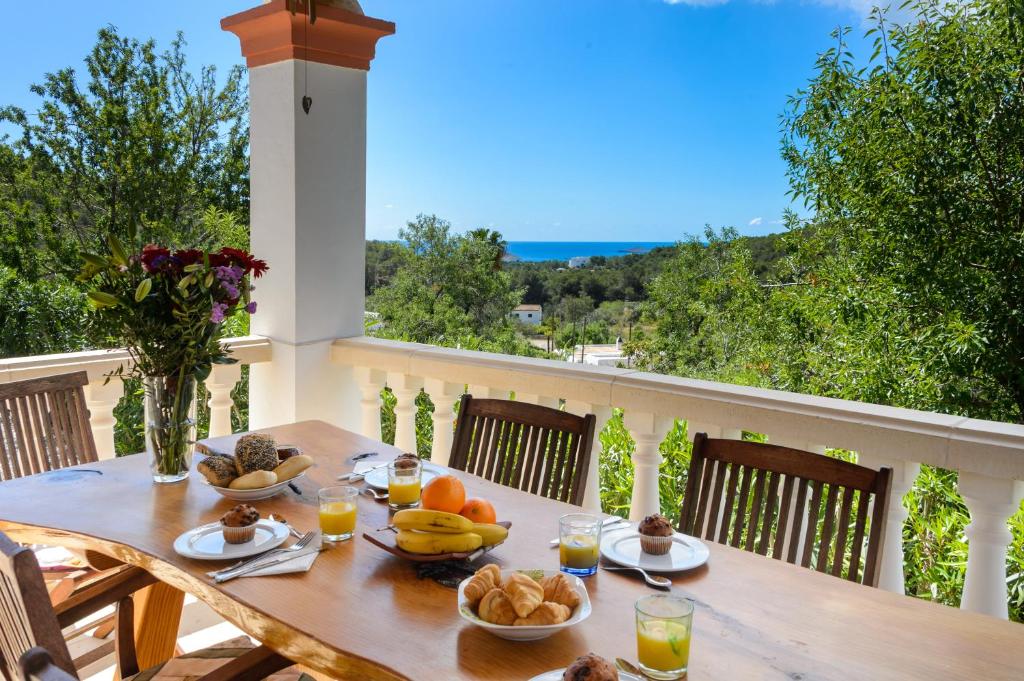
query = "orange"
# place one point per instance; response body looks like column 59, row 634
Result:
column 479, row 511
column 443, row 493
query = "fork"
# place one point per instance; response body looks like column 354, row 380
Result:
column 242, row 565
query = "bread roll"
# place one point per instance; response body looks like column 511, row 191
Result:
column 254, row 480
column 292, row 467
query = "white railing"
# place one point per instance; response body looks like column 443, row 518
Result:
column 988, row 455
column 102, row 396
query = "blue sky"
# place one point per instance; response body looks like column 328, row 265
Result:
column 590, row 120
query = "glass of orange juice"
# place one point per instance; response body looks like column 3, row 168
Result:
column 404, row 481
column 663, row 624
column 579, row 538
column 338, row 512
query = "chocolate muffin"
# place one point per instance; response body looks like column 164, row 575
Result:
column 239, row 524
column 590, row 667
column 655, row 535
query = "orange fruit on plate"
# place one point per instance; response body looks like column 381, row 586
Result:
column 443, row 493
column 479, row 511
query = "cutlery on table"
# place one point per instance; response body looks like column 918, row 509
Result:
column 258, row 560
column 241, row 572
column 656, row 581
column 607, row 522
column 356, row 477
column 630, row 668
column 360, row 457
column 291, row 530
column 376, row 494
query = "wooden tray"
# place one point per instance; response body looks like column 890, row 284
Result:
column 385, row 539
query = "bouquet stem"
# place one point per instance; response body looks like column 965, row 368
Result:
column 170, row 403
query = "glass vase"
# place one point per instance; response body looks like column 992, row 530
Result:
column 170, row 406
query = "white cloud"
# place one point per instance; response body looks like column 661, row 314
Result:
column 755, row 222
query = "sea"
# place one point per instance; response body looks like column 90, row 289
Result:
column 536, row 251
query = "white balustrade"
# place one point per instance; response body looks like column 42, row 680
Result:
column 371, row 382
column 101, row 396
column 648, row 430
column 991, row 502
column 406, row 388
column 592, row 492
column 891, row 577
column 221, row 381
column 443, row 394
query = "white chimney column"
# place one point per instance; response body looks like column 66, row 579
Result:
column 308, row 202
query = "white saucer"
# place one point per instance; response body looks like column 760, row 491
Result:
column 378, row 477
column 623, row 547
column 556, row 675
column 206, row 542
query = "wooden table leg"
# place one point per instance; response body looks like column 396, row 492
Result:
column 157, row 617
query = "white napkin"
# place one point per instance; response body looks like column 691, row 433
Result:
column 300, row 561
column 363, row 466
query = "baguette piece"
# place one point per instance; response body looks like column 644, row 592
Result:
column 254, row 480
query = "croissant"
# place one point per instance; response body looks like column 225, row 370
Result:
column 546, row 613
column 496, row 608
column 485, row 579
column 558, row 589
column 524, row 592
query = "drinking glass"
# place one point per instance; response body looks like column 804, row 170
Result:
column 579, row 537
column 663, row 624
column 404, row 478
column 338, row 512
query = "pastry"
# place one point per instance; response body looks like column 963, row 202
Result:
column 546, row 613
column 219, row 470
column 524, row 592
column 255, row 452
column 292, row 467
column 496, row 608
column 486, row 578
column 254, row 480
column 655, row 535
column 559, row 589
column 403, row 461
column 285, row 452
column 590, row 667
column 239, row 524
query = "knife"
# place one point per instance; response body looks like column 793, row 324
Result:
column 350, row 476
column 220, row 578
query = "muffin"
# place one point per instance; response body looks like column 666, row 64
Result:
column 405, row 461
column 655, row 535
column 590, row 667
column 239, row 524
column 255, row 452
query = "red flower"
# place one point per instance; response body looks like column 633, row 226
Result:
column 154, row 256
column 245, row 261
column 188, row 257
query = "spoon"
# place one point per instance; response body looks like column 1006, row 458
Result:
column 371, row 492
column 654, row 580
column 630, row 668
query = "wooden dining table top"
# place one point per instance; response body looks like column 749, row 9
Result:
column 361, row 613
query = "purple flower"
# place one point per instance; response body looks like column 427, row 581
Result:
column 217, row 315
column 251, row 307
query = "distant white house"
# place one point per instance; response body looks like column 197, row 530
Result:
column 579, row 261
column 528, row 314
column 610, row 355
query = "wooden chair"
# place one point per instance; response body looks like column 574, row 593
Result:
column 732, row 497
column 535, row 449
column 44, row 425
column 31, row 643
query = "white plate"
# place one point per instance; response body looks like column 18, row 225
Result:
column 513, row 633
column 623, row 547
column 206, row 542
column 253, row 494
column 378, row 477
column 556, row 675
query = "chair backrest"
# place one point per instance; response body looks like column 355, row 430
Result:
column 755, row 496
column 536, row 449
column 28, row 619
column 44, row 425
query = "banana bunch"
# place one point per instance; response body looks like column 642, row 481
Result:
column 433, row 532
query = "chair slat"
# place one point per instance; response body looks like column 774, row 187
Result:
column 825, row 543
column 770, row 500
column 699, row 479
column 755, row 511
column 780, row 529
column 529, row 436
column 799, row 509
column 842, row 531
column 484, row 433
column 859, row 528
column 735, row 472
column 716, row 509
column 23, row 424
column 512, row 453
column 496, row 449
column 813, row 511
column 741, row 507
column 9, row 455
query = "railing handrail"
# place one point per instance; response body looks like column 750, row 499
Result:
column 990, row 448
column 98, row 363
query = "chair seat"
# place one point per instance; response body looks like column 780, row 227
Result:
column 195, row 665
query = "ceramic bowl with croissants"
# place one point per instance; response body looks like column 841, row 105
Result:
column 523, row 605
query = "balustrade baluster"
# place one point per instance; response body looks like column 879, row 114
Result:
column 443, row 394
column 221, row 381
column 406, row 388
column 648, row 430
column 903, row 475
column 101, row 398
column 592, row 492
column 371, row 382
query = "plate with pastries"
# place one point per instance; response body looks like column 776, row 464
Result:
column 523, row 605
column 589, row 667
column 258, row 468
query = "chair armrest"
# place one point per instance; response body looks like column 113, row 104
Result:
column 102, row 593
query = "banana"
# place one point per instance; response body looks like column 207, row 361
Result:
column 430, row 543
column 491, row 534
column 431, row 521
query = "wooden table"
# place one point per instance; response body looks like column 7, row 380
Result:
column 361, row 613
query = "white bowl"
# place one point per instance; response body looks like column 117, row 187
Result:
column 252, row 494
column 513, row 633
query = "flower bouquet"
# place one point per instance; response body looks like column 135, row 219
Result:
column 167, row 308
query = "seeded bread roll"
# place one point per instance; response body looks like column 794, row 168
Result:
column 255, row 452
column 219, row 470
